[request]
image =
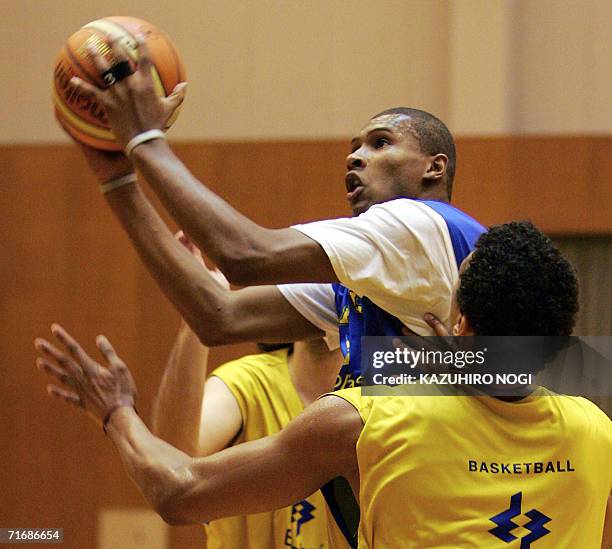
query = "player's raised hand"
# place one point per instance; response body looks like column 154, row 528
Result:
column 99, row 390
column 131, row 102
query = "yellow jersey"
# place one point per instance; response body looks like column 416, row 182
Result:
column 473, row 471
column 268, row 401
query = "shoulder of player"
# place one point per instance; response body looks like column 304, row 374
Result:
column 415, row 215
column 331, row 417
column 350, row 401
column 583, row 411
column 425, row 209
column 592, row 411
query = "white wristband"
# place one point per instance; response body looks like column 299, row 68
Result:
column 143, row 138
column 118, row 182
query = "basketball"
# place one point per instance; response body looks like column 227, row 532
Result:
column 78, row 112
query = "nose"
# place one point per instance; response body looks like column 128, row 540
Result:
column 355, row 161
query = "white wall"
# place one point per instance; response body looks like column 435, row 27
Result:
column 283, row 69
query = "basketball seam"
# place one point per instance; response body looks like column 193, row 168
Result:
column 83, row 137
column 75, row 60
column 80, row 124
column 69, row 126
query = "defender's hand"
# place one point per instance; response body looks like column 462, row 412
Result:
column 97, row 389
column 441, row 342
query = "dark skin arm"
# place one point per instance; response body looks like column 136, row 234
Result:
column 217, row 315
column 247, row 253
column 253, row 477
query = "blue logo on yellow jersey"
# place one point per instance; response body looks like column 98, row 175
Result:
column 301, row 513
column 505, row 524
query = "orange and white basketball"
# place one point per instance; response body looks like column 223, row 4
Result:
column 78, row 112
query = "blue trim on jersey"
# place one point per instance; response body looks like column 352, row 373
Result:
column 464, row 231
column 338, row 509
column 359, row 317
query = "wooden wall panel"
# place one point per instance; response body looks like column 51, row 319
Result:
column 563, row 184
column 66, row 259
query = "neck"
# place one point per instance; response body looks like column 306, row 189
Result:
column 434, row 194
column 313, row 369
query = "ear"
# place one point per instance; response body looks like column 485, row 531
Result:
column 437, row 167
column 462, row 327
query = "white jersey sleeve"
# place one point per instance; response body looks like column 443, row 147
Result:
column 398, row 254
column 316, row 303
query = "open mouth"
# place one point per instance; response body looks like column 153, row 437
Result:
column 354, row 186
column 352, row 181
column 353, row 195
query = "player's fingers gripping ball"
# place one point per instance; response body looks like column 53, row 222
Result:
column 80, row 112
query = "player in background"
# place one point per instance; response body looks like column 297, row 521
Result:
column 395, row 260
column 242, row 400
column 465, row 470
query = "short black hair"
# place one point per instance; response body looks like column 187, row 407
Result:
column 518, row 284
column 433, row 136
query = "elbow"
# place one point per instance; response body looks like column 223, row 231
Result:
column 215, row 335
column 214, row 328
column 238, row 272
column 171, row 516
column 173, row 504
column 247, row 268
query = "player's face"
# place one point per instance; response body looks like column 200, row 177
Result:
column 386, row 162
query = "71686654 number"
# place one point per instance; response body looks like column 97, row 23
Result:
column 31, row 535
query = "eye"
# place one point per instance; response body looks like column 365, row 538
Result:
column 380, row 142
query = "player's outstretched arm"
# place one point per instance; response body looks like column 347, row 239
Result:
column 218, row 316
column 206, row 410
column 247, row 253
column 272, row 472
column 253, row 477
